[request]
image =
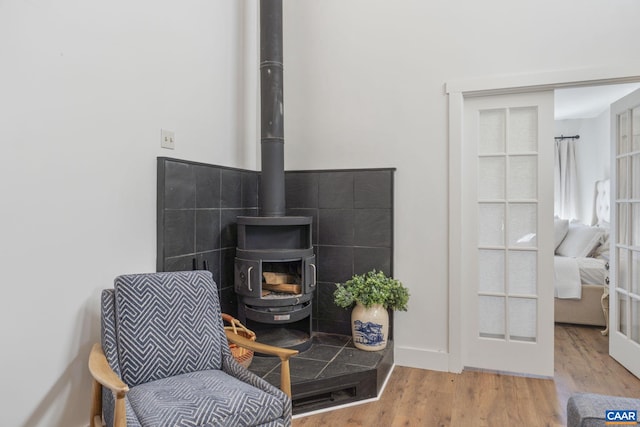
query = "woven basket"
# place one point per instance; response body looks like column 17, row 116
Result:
column 242, row 355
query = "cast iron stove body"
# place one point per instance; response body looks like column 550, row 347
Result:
column 278, row 246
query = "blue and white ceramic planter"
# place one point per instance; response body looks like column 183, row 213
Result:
column 370, row 327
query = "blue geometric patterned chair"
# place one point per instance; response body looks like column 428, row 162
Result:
column 588, row 409
column 165, row 360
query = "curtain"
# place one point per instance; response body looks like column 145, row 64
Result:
column 565, row 179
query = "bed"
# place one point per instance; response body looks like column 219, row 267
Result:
column 582, row 266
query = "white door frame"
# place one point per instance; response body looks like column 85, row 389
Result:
column 457, row 91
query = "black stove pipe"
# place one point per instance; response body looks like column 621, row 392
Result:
column 272, row 198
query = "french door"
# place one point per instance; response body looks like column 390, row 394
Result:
column 624, row 288
column 507, row 233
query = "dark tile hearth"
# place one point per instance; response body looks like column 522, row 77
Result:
column 351, row 233
column 331, row 372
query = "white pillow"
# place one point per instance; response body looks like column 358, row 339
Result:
column 602, row 250
column 561, row 229
column 580, row 241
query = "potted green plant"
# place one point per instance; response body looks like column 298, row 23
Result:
column 371, row 295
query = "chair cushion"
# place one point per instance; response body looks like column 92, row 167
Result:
column 167, row 324
column 203, row 399
column 588, row 409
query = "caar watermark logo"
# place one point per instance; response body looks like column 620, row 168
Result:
column 621, row 417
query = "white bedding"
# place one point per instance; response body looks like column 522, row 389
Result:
column 572, row 273
column 592, row 271
column 583, row 249
column 567, row 278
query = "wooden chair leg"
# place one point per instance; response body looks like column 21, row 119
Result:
column 96, row 404
column 119, row 415
column 285, row 377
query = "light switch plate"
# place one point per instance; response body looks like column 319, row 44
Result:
column 167, row 139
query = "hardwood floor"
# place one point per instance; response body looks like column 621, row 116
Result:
column 417, row 397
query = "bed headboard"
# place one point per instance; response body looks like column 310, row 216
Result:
column 601, row 206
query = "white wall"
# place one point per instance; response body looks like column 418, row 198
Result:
column 85, row 88
column 364, row 88
column 592, row 157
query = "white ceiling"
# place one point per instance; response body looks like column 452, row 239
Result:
column 588, row 102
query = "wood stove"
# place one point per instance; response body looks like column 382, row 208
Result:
column 275, row 271
column 275, row 278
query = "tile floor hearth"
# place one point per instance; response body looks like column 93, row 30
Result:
column 331, row 372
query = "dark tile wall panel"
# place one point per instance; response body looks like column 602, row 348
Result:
column 335, row 190
column 336, row 227
column 372, row 228
column 249, row 189
column 231, row 189
column 335, row 263
column 179, row 263
column 353, row 230
column 366, row 259
column 352, row 227
column 197, row 207
column 180, row 190
column 373, row 189
column 301, row 189
column 207, row 230
column 210, row 260
column 179, row 232
column 208, row 180
column 227, row 260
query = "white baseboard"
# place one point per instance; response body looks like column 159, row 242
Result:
column 433, row 360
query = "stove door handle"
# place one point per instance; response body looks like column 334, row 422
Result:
column 249, row 278
column 315, row 275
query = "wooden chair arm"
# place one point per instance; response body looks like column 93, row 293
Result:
column 102, row 372
column 104, row 376
column 283, row 353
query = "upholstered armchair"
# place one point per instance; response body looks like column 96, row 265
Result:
column 164, row 359
column 588, row 409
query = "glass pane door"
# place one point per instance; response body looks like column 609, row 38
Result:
column 508, row 290
column 624, row 342
column 507, row 223
column 627, row 255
